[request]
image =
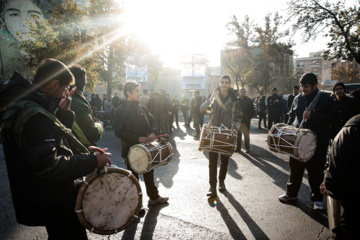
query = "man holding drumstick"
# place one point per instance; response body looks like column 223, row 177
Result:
column 134, row 124
column 43, row 158
column 225, row 112
column 318, row 119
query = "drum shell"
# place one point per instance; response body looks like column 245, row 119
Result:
column 154, row 158
column 286, row 139
column 83, row 195
column 225, row 140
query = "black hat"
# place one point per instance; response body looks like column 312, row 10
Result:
column 274, row 89
column 308, row 78
column 339, row 84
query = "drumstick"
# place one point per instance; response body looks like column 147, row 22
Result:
column 97, row 149
column 160, row 136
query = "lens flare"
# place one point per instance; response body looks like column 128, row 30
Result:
column 215, row 202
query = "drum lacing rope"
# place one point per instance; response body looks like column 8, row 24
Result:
column 277, row 147
column 211, row 137
column 78, row 211
column 158, row 148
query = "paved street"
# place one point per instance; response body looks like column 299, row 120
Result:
column 249, row 209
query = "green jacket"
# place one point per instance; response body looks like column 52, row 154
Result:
column 84, row 128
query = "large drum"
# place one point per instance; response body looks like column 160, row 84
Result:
column 108, row 201
column 147, row 156
column 297, row 143
column 218, row 139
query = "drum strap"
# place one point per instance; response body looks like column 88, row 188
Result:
column 146, row 118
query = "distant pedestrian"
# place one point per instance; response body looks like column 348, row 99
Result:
column 195, row 104
column 248, row 111
column 185, row 110
column 175, row 104
column 347, row 107
column 262, row 112
column 274, row 105
column 144, row 98
column 291, row 97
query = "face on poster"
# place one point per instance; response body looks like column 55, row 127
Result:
column 15, row 14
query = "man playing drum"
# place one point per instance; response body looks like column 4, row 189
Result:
column 134, row 124
column 225, row 112
column 39, row 151
column 318, row 120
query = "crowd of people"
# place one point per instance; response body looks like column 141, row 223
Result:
column 35, row 118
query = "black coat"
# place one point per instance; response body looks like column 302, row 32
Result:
column 247, row 108
column 41, row 166
column 322, row 115
column 274, row 104
column 347, row 108
column 131, row 121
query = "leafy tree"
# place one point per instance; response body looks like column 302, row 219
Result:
column 346, row 72
column 61, row 38
column 256, row 51
column 337, row 20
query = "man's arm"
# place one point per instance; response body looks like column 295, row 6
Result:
column 44, row 153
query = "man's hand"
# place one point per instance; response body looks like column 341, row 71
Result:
column 142, row 139
column 323, row 189
column 65, row 102
column 306, row 114
column 151, row 137
column 103, row 158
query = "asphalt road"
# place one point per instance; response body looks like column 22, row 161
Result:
column 249, row 209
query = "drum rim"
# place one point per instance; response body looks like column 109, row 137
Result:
column 90, row 178
column 140, row 145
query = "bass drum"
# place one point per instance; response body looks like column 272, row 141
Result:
column 108, row 201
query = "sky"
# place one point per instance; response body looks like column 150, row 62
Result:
column 172, row 28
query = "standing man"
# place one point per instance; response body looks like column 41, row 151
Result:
column 346, row 106
column 262, row 111
column 291, row 97
column 42, row 157
column 185, row 110
column 225, row 112
column 108, row 109
column 116, row 101
column 274, row 104
column 195, row 104
column 317, row 120
column 175, row 103
column 84, row 128
column 144, row 98
column 248, row 111
column 134, row 124
column 341, row 177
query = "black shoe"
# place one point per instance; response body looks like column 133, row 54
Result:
column 211, row 192
column 222, row 187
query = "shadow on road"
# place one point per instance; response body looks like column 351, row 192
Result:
column 234, row 229
column 254, row 228
column 280, row 179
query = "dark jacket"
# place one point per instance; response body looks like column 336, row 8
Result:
column 274, row 104
column 322, row 115
column 154, row 105
column 341, row 177
column 290, row 100
column 247, row 109
column 195, row 104
column 131, row 121
column 41, row 165
column 262, row 106
column 347, row 108
column 84, row 128
column 223, row 112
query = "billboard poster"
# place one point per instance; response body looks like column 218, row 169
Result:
column 193, row 71
column 136, row 68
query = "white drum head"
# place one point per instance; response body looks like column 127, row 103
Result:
column 306, row 145
column 110, row 203
column 139, row 159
